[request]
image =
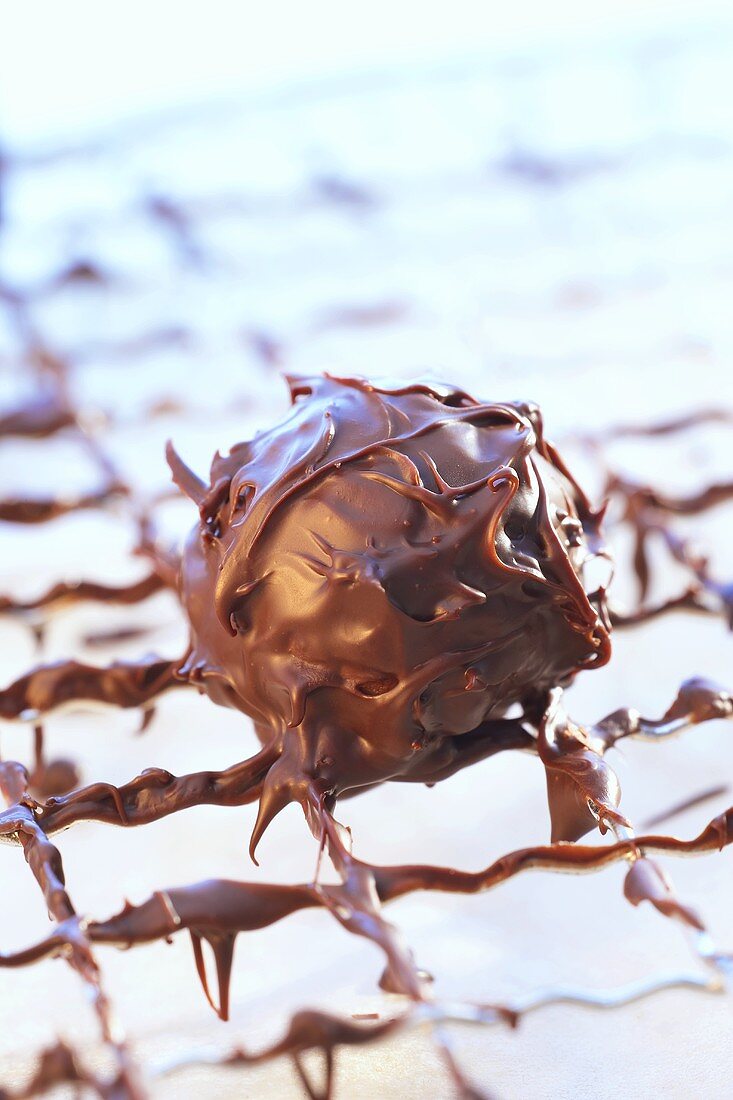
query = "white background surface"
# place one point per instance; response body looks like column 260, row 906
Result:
column 547, row 204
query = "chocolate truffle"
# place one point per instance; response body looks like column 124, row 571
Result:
column 383, row 573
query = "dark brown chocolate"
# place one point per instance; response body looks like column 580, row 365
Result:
column 365, row 578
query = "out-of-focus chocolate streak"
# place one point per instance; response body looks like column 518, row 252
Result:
column 690, row 803
column 63, row 594
column 58, row 1065
column 45, row 415
column 380, row 582
column 649, row 513
column 49, row 412
column 43, row 509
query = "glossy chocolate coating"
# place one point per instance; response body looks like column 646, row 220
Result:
column 383, row 572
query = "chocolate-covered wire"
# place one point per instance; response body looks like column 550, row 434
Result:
column 582, row 791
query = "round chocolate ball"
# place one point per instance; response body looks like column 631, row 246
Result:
column 385, row 571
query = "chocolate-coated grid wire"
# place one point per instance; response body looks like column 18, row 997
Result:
column 217, row 911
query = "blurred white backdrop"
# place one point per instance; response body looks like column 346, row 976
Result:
column 67, row 69
column 530, row 200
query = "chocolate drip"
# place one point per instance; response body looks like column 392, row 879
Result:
column 50, row 777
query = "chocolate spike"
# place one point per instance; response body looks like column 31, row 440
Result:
column 183, row 476
column 223, row 948
column 148, row 717
column 201, row 966
column 273, row 800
